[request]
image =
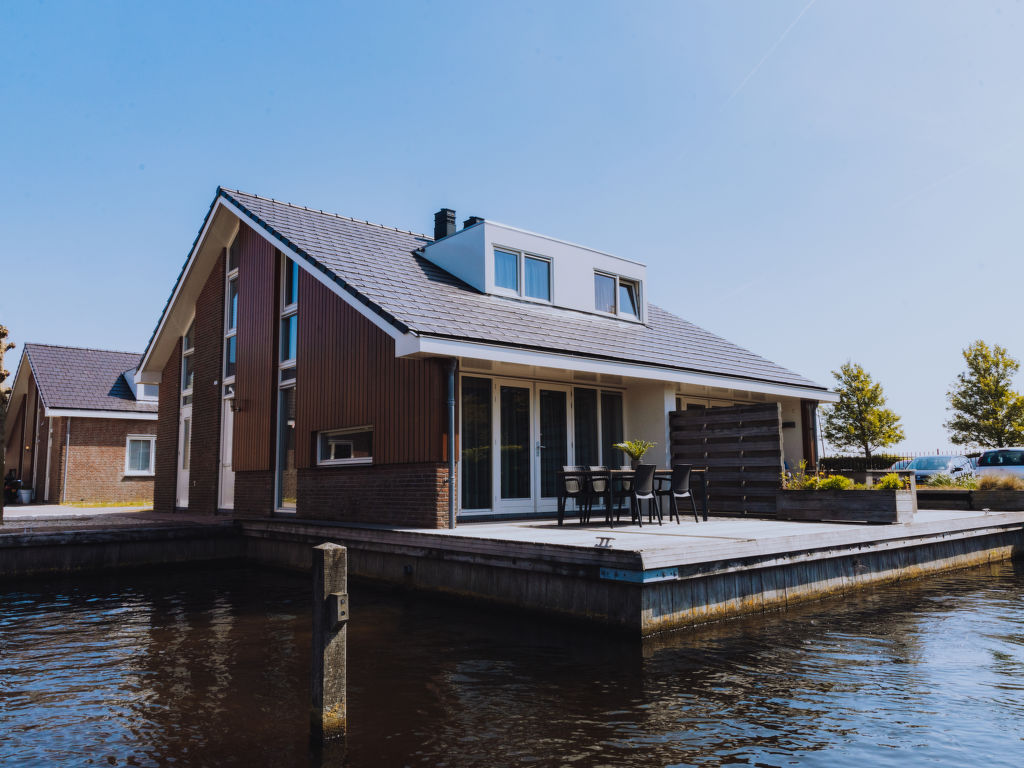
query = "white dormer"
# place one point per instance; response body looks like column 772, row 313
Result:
column 505, row 261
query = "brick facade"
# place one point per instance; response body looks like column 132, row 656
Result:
column 165, row 487
column 96, row 459
column 390, row 494
column 254, row 493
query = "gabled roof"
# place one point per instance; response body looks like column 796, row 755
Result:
column 381, row 268
column 84, row 379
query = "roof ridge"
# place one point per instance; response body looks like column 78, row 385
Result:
column 326, row 213
column 26, row 344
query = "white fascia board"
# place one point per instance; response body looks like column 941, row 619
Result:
column 142, row 375
column 563, row 242
column 456, row 348
column 404, row 342
column 85, row 414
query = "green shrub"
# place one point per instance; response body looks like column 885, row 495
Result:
column 948, row 481
column 1002, row 481
column 890, row 482
column 835, row 483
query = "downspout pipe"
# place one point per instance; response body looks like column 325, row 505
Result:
column 451, row 442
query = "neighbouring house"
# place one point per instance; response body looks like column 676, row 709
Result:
column 318, row 365
column 78, row 427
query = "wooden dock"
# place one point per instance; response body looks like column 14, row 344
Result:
column 655, row 578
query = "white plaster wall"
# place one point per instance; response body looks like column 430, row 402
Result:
column 461, row 254
column 469, row 255
column 792, row 440
column 646, row 409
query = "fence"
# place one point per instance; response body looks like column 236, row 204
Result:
column 742, row 448
column 881, row 460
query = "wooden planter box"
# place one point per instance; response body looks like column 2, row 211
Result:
column 998, row 501
column 943, row 498
column 847, row 506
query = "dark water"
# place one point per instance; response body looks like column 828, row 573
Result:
column 209, row 667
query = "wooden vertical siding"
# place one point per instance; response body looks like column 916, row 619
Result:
column 742, row 448
column 255, row 378
column 348, row 376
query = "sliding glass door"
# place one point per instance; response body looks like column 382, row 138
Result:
column 517, row 435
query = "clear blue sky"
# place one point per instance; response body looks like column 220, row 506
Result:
column 823, row 182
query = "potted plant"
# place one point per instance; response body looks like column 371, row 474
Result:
column 635, row 449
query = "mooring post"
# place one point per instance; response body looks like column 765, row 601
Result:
column 330, row 629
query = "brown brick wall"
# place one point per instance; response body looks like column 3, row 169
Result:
column 57, row 449
column 391, row 494
column 206, row 394
column 254, row 493
column 95, row 470
column 165, row 487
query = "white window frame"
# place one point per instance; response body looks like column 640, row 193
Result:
column 229, row 333
column 287, row 310
column 322, row 462
column 141, row 388
column 128, row 471
column 190, row 352
column 521, row 257
column 638, row 284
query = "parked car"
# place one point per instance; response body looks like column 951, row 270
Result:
column 1002, row 461
column 901, row 464
column 926, row 467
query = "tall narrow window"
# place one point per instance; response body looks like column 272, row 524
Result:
column 611, row 429
column 288, row 329
column 585, row 423
column 231, row 315
column 476, row 443
column 188, row 373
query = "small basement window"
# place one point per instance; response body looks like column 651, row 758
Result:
column 138, row 459
column 345, row 446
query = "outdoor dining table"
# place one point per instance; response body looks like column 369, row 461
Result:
column 626, row 474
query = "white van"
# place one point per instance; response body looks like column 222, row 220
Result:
column 1002, row 461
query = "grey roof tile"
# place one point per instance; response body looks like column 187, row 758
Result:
column 379, row 265
column 90, row 379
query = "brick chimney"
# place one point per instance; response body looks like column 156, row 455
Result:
column 444, row 223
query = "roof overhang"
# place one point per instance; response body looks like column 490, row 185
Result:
column 429, row 346
column 82, row 413
column 19, row 389
column 218, row 230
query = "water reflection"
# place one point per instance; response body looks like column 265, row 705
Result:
column 209, row 667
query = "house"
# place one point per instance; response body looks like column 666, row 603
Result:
column 78, row 427
column 318, row 365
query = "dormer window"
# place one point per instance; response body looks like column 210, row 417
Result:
column 617, row 295
column 522, row 274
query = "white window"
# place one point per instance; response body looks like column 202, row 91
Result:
column 148, row 392
column 617, row 295
column 522, row 274
column 188, row 373
column 138, row 455
column 231, row 313
column 345, row 446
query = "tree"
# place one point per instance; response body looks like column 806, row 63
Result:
column 985, row 410
column 5, row 394
column 860, row 418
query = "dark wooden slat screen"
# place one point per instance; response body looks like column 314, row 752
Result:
column 742, row 448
